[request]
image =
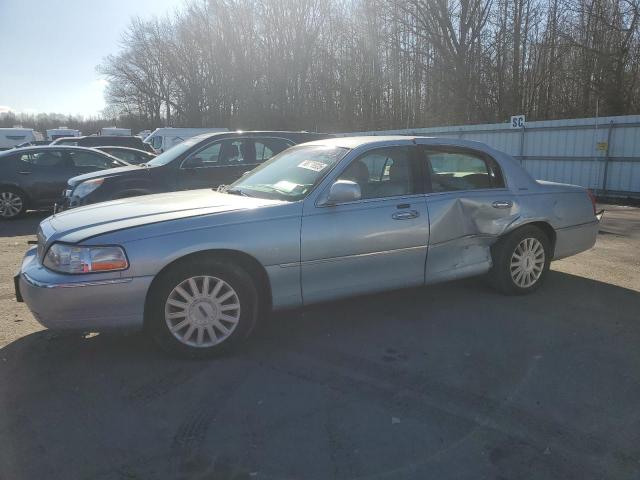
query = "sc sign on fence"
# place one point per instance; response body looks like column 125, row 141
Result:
column 517, row 121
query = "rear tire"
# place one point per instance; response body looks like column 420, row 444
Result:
column 13, row 203
column 521, row 261
column 202, row 308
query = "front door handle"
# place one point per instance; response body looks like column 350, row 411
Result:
column 25, row 172
column 406, row 215
column 502, row 204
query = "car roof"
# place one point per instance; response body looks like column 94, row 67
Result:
column 45, row 147
column 264, row 133
column 119, row 147
column 373, row 140
column 97, row 136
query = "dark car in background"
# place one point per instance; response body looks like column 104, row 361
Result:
column 34, row 143
column 34, row 178
column 129, row 155
column 204, row 161
column 105, row 141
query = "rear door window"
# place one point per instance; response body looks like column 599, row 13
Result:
column 456, row 170
column 127, row 156
column 268, row 147
column 88, row 159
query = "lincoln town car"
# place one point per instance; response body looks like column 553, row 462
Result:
column 322, row 220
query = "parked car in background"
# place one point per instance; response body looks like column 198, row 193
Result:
column 34, row 143
column 11, row 137
column 162, row 139
column 132, row 156
column 105, row 141
column 34, row 177
column 115, row 131
column 324, row 220
column 61, row 132
column 207, row 160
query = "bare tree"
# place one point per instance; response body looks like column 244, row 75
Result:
column 370, row 64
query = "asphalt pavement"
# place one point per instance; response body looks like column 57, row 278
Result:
column 453, row 381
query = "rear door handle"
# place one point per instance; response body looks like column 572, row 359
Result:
column 406, row 215
column 502, row 204
column 25, row 172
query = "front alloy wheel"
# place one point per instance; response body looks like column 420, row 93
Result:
column 201, row 307
column 202, row 311
column 11, row 204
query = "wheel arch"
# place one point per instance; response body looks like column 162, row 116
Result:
column 543, row 225
column 243, row 259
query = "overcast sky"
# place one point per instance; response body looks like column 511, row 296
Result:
column 49, row 50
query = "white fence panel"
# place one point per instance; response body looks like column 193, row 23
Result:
column 599, row 153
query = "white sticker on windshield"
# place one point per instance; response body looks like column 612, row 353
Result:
column 312, row 165
column 285, row 186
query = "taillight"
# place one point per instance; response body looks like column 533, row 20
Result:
column 592, row 197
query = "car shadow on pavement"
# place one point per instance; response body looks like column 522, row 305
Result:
column 449, row 381
column 26, row 225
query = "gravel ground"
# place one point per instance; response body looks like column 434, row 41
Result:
column 451, row 381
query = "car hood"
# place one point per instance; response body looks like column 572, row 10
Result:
column 84, row 222
column 109, row 172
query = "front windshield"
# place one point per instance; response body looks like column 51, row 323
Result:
column 290, row 175
column 173, row 153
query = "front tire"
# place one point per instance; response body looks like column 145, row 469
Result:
column 13, row 203
column 202, row 308
column 521, row 261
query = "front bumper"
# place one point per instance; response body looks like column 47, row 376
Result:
column 91, row 302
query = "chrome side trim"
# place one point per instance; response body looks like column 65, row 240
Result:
column 578, row 225
column 347, row 257
column 36, row 283
column 464, row 237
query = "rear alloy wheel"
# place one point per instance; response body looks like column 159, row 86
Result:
column 527, row 262
column 12, row 203
column 520, row 261
column 202, row 308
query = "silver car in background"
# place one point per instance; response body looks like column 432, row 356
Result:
column 320, row 221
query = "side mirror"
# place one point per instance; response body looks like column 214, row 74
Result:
column 193, row 162
column 343, row 191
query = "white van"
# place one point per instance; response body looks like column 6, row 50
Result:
column 10, row 137
column 162, row 139
column 60, row 132
column 115, row 131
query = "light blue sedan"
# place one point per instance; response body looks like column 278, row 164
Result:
column 323, row 220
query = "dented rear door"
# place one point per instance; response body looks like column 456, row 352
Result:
column 469, row 207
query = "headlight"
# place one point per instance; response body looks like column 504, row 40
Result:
column 74, row 259
column 86, row 187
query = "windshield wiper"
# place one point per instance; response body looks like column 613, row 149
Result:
column 236, row 191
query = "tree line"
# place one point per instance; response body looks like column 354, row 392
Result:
column 348, row 65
